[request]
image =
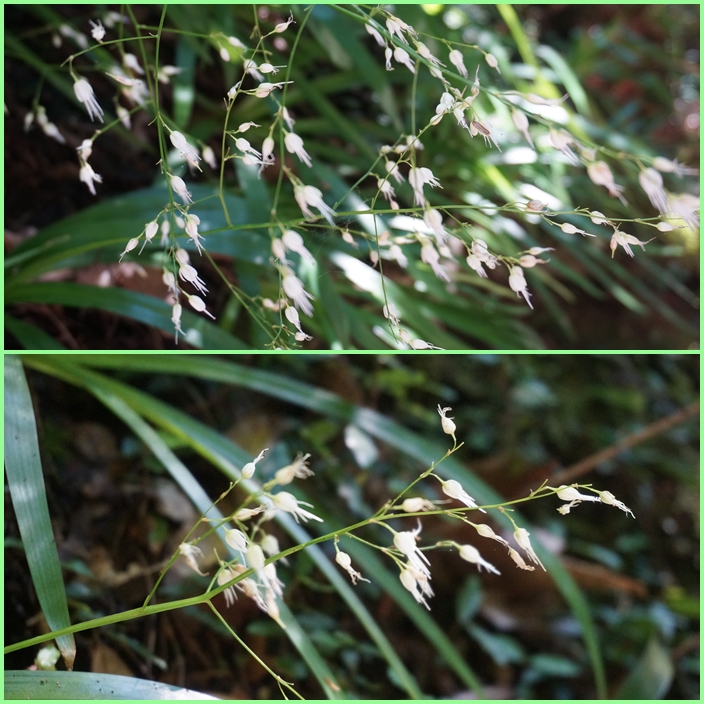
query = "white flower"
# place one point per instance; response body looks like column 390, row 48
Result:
column 255, row 557
column 386, row 189
column 345, row 561
column 448, row 427
column 292, row 316
column 431, row 256
column 124, row 116
column 521, row 122
column 248, row 469
column 179, row 186
column 263, row 89
column 425, row 53
column 131, row 62
column 192, row 222
column 377, row 37
column 85, row 95
column 598, row 218
column 418, row 177
column 416, row 504
column 561, row 140
column 411, row 583
column 70, row 33
column 275, row 584
column 311, row 196
column 188, row 152
column 621, row 238
column 189, row 273
column 209, row 157
column 521, row 536
column 294, row 144
column 475, row 263
column 244, row 514
column 189, row 553
column 395, row 29
column 199, row 304
column 290, row 122
column 528, row 261
column 298, row 469
column 685, row 206
column 86, row 149
column 433, row 219
column 293, row 288
column 600, row 174
column 486, row 532
column 417, row 344
column 294, row 243
column 569, row 493
column 268, row 157
column 283, row 26
column 396, row 253
column 288, row 502
column 98, row 31
column 47, row 657
column 388, row 53
column 176, row 318
column 454, row 489
column 516, row 557
column 570, row 229
column 667, row 166
column 471, row 554
column 393, row 170
column 517, row 283
column 270, row 545
column 651, row 182
column 150, row 229
column 236, row 539
column 540, row 250
column 477, row 127
column 573, row 497
column 268, row 68
column 491, row 61
column 405, row 541
column 131, row 244
column 88, row 176
column 244, row 146
column 165, row 73
column 608, row 498
column 224, row 576
column 401, row 55
column 49, row 128
column 457, row 61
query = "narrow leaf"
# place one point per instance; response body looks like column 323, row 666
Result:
column 26, row 483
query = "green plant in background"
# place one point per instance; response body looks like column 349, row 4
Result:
column 380, row 549
column 358, row 180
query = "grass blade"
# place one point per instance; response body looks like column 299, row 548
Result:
column 23, row 684
column 26, row 482
column 137, row 306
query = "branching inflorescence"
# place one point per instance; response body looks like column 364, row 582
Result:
column 253, row 571
column 432, row 236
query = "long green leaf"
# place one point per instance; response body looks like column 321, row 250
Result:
column 198, row 331
column 23, row 684
column 26, row 482
column 30, row 336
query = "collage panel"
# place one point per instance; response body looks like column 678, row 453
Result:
column 336, row 526
column 352, row 177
